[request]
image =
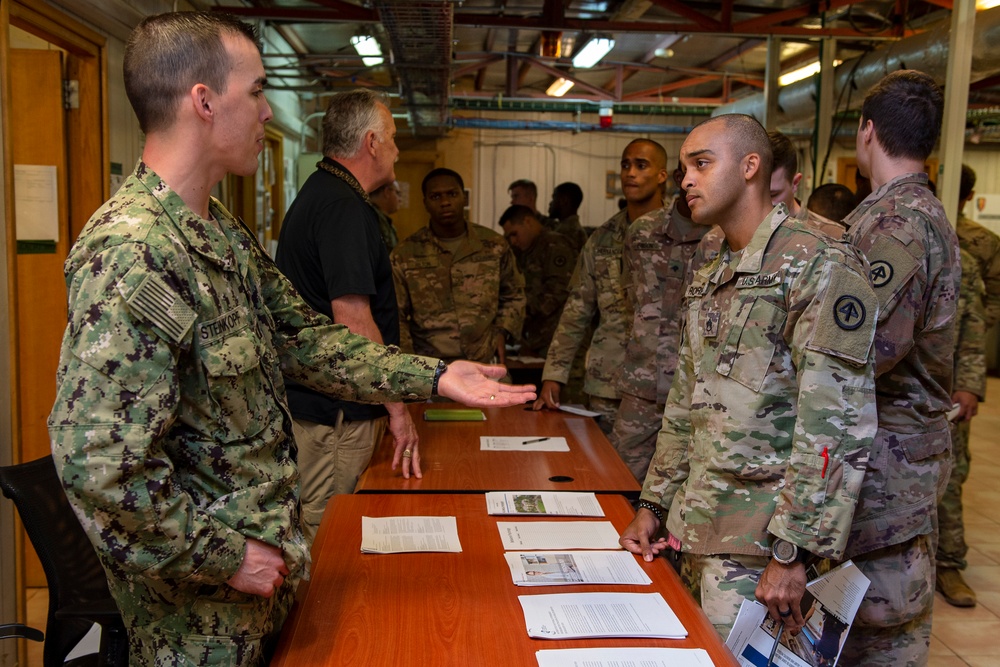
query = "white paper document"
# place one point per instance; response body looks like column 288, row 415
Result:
column 535, row 568
column 558, row 535
column 829, row 606
column 579, row 411
column 526, row 443
column 589, row 615
column 406, row 534
column 624, row 657
column 556, row 503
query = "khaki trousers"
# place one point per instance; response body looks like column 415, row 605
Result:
column 331, row 458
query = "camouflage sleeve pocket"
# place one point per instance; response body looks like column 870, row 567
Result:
column 825, row 490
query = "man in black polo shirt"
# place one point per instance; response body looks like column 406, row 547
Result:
column 331, row 250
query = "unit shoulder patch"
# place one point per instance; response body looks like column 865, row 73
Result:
column 848, row 313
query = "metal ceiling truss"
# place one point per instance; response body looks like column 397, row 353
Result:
column 553, row 18
column 420, row 34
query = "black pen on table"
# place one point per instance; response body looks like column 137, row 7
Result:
column 531, row 442
column 777, row 640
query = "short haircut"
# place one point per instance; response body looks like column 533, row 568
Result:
column 572, row 192
column 349, row 116
column 966, row 183
column 747, row 136
column 168, row 54
column 527, row 184
column 658, row 149
column 783, row 154
column 516, row 213
column 441, row 171
column 831, row 200
column 906, row 108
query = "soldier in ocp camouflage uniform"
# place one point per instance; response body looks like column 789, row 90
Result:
column 661, row 254
column 982, row 244
column 913, row 252
column 460, row 293
column 980, row 262
column 768, row 423
column 170, row 428
column 546, row 261
column 596, row 290
column 969, row 390
column 564, row 219
column 785, row 179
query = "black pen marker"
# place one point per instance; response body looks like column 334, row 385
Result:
column 529, row 442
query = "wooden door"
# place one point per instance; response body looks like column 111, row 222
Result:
column 410, row 172
column 38, row 138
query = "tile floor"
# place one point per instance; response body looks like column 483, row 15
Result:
column 961, row 637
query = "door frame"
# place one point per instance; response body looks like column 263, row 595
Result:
column 88, row 173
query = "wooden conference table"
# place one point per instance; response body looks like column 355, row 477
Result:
column 444, row 609
column 452, row 461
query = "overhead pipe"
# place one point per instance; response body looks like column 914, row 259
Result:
column 574, row 126
column 927, row 52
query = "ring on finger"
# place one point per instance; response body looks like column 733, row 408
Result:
column 407, row 453
column 786, row 613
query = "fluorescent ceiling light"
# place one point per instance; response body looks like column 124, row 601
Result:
column 804, row 72
column 986, row 4
column 559, row 87
column 368, row 48
column 592, row 53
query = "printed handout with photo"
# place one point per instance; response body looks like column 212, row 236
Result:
column 529, row 504
column 561, row 567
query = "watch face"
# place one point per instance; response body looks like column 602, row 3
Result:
column 784, row 552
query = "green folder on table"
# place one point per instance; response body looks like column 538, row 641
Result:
column 459, row 415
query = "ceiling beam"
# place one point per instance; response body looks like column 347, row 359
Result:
column 360, row 15
column 477, row 67
column 795, row 13
column 488, row 44
column 601, row 94
column 684, row 11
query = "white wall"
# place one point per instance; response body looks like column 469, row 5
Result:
column 551, row 157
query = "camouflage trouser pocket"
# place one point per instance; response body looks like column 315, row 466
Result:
column 902, row 584
column 211, row 651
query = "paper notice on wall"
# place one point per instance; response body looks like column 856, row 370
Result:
column 36, row 202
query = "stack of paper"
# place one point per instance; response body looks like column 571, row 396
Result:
column 555, row 503
column 537, row 535
column 534, row 568
column 407, row 534
column 590, row 615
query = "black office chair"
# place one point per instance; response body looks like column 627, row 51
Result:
column 78, row 586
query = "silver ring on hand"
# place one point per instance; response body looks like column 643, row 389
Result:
column 407, row 453
column 492, row 397
column 786, row 613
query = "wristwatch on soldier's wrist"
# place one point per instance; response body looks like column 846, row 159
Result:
column 652, row 507
column 787, row 553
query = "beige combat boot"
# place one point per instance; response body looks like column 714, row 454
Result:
column 954, row 589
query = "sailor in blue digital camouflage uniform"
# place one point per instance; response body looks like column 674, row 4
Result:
column 170, row 427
